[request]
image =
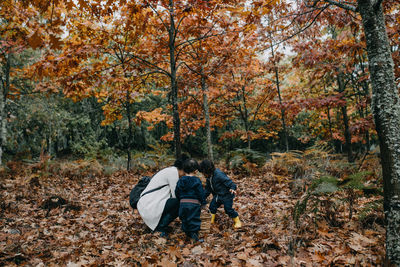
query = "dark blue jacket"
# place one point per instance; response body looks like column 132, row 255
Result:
column 219, row 184
column 190, row 187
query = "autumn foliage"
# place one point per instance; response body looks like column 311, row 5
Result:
column 280, row 94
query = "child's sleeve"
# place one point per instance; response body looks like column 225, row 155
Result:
column 228, row 182
column 207, row 190
column 201, row 193
column 178, row 190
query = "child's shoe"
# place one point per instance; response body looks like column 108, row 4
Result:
column 195, row 237
column 164, row 234
column 237, row 222
column 212, row 221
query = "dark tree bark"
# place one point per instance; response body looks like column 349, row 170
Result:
column 245, row 117
column 174, row 83
column 207, row 117
column 347, row 134
column 277, row 81
column 130, row 134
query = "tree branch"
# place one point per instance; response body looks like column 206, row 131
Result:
column 205, row 36
column 342, row 5
column 158, row 15
column 302, row 29
column 178, row 25
column 151, row 64
column 191, row 69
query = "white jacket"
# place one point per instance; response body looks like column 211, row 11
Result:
column 151, row 206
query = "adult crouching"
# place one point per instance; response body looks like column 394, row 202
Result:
column 160, row 207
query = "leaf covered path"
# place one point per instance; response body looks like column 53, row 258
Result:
column 105, row 231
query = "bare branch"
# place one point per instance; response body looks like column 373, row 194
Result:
column 196, row 99
column 302, row 29
column 158, row 15
column 343, row 5
column 178, row 25
column 191, row 69
column 187, row 42
column 150, row 64
column 257, row 110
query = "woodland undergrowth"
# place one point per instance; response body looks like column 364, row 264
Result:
column 300, row 208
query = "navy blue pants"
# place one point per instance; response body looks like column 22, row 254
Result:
column 189, row 213
column 169, row 214
column 228, row 203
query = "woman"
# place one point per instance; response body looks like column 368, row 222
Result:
column 159, row 207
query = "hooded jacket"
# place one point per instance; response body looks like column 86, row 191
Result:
column 151, row 206
column 190, row 187
column 219, row 185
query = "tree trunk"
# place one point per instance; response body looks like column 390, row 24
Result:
column 50, row 139
column 386, row 110
column 174, row 84
column 3, row 96
column 130, row 134
column 277, row 81
column 365, row 87
column 207, row 118
column 144, row 142
column 245, row 118
column 347, row 134
column 328, row 112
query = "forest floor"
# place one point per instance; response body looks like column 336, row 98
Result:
column 90, row 223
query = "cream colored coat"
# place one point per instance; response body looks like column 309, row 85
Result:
column 151, row 206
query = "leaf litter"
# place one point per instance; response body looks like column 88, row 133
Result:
column 105, row 231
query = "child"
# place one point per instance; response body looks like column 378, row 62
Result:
column 189, row 191
column 223, row 190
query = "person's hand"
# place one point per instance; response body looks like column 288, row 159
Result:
column 232, row 191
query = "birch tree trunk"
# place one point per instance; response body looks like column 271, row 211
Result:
column 386, row 110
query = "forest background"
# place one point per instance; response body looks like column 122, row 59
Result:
column 282, row 92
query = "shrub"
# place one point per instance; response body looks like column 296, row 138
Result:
column 288, row 163
column 77, row 169
column 245, row 161
column 152, row 160
column 318, row 198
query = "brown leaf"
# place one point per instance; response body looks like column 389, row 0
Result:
column 185, row 252
column 197, row 250
column 167, row 263
column 34, row 40
column 55, row 42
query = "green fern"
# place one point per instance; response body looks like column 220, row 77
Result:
column 328, row 182
column 371, row 207
column 325, row 188
column 237, row 158
column 355, row 181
